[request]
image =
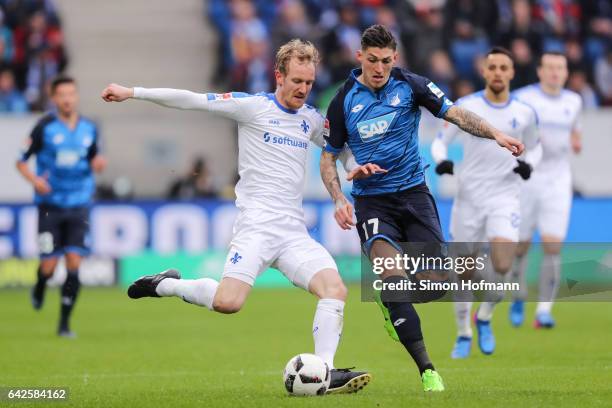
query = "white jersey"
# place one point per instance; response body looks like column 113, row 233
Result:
column 558, row 117
column 486, row 171
column 272, row 144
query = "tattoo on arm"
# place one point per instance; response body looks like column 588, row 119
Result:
column 470, row 122
column 329, row 175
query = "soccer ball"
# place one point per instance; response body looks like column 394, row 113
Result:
column 306, row 374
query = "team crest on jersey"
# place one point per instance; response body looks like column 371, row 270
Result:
column 305, row 126
column 87, row 140
column 435, row 90
column 58, row 138
column 395, row 101
column 374, row 129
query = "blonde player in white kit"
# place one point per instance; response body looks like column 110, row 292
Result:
column 487, row 207
column 546, row 198
column 274, row 131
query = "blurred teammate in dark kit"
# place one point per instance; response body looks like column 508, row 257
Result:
column 67, row 151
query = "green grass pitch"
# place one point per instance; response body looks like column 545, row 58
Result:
column 163, row 352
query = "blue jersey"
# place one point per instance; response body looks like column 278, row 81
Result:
column 382, row 127
column 62, row 157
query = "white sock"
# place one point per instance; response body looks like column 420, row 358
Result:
column 518, row 274
column 491, row 297
column 199, row 292
column 462, row 317
column 550, row 275
column 485, row 311
column 327, row 328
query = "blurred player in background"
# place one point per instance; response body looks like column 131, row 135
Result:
column 487, row 204
column 67, row 150
column 376, row 112
column 546, row 198
column 274, row 131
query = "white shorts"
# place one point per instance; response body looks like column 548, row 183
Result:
column 263, row 239
column 546, row 203
column 497, row 218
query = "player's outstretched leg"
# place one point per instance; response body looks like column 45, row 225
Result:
column 200, row 292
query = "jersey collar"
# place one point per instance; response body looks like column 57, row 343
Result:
column 272, row 97
column 496, row 105
column 355, row 74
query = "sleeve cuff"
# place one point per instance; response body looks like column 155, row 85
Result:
column 138, row 92
column 329, row 148
column 446, row 104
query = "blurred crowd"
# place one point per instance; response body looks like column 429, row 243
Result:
column 31, row 54
column 441, row 39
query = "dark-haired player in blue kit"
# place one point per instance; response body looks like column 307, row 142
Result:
column 376, row 112
column 67, row 153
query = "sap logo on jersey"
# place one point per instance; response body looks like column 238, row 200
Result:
column 376, row 128
column 284, row 140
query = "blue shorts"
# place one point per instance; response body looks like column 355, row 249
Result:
column 400, row 217
column 62, row 230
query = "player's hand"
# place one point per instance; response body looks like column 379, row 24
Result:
column 523, row 169
column 41, row 186
column 98, row 163
column 445, row 167
column 364, row 171
column 117, row 93
column 514, row 145
column 576, row 142
column 344, row 213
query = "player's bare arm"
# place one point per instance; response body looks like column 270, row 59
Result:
column 40, row 184
column 98, row 163
column 329, row 174
column 477, row 126
column 576, row 141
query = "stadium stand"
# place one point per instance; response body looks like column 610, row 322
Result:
column 31, row 53
column 444, row 39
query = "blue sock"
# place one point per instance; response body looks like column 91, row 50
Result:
column 70, row 290
column 408, row 328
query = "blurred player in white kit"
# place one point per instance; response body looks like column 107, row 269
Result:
column 487, row 206
column 546, row 198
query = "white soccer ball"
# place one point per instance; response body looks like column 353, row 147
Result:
column 306, row 374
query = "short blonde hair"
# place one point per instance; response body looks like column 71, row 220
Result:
column 303, row 50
